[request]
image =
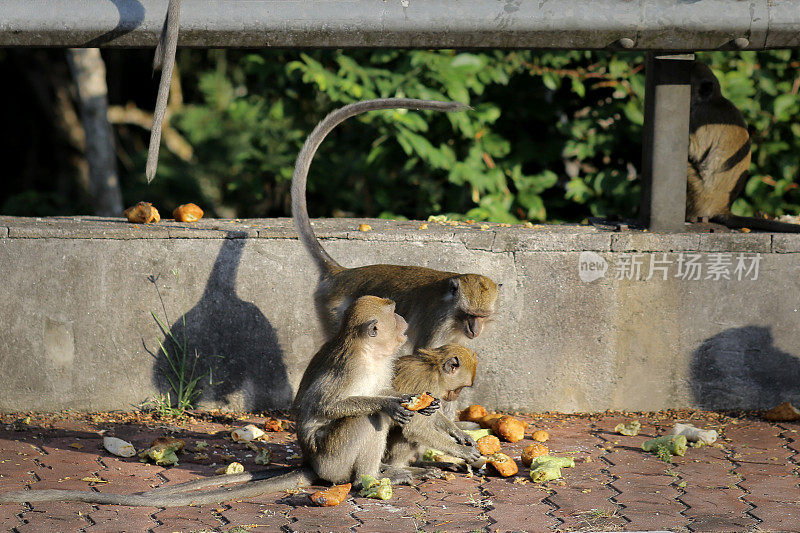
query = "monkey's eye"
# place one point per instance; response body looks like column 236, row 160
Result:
column 371, row 328
column 451, row 365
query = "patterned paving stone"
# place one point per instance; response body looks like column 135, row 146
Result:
column 322, row 518
column 270, row 516
column 9, row 515
column 782, row 517
column 521, row 517
column 188, row 518
column 55, row 516
column 115, row 518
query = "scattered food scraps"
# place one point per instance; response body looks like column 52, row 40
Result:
column 187, row 213
column 372, row 488
column 488, row 445
column 273, row 424
column 91, row 479
column 247, row 433
column 666, row 446
column 118, row 447
column 332, row 496
column 473, row 413
column 162, row 455
column 540, row 435
column 630, row 429
column 505, row 465
column 264, row 457
column 364, row 227
column 178, row 444
column 478, row 433
column 424, row 225
column 233, row 468
column 694, row 434
column 533, row 451
column 510, row 429
column 548, row 467
column 142, row 213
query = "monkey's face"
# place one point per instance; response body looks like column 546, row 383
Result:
column 474, row 298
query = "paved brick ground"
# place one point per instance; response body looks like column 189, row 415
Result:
column 750, row 482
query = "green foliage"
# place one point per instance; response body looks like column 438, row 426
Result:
column 550, row 135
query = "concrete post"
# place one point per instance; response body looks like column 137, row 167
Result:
column 665, row 142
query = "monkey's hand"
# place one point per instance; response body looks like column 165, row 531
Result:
column 432, row 408
column 396, row 411
column 470, row 454
column 462, row 438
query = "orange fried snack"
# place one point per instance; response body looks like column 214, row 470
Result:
column 332, row 496
column 505, row 465
column 534, row 450
column 488, row 445
column 510, row 429
column 473, row 413
column 489, row 421
column 187, row 213
column 420, row 401
column 142, row 213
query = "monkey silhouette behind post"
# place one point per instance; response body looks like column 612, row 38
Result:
column 234, row 342
column 342, row 418
column 440, row 307
column 719, row 157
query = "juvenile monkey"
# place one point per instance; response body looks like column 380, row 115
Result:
column 719, row 157
column 164, row 61
column 443, row 372
column 342, row 419
column 440, row 307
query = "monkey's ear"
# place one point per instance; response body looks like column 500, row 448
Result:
column 451, row 365
column 371, row 328
column 454, row 285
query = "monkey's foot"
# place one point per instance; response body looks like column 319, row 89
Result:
column 397, row 475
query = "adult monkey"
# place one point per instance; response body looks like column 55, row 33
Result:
column 440, row 307
column 342, row 419
column 164, row 60
column 719, row 157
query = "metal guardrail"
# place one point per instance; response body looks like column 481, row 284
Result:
column 656, row 25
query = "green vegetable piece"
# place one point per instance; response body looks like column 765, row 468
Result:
column 372, row 488
column 478, row 433
column 547, row 471
column 666, row 445
column 561, row 462
column 631, row 429
column 161, row 455
column 264, row 457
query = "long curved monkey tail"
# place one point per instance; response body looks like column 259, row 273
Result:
column 762, row 224
column 164, row 60
column 324, row 261
column 178, row 495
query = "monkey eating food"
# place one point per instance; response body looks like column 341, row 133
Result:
column 719, row 157
column 342, row 419
column 443, row 372
column 440, row 307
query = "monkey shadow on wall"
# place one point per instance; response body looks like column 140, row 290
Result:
column 740, row 368
column 235, row 343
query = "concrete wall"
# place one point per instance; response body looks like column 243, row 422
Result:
column 78, row 293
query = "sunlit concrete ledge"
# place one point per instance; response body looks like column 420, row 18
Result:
column 588, row 321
